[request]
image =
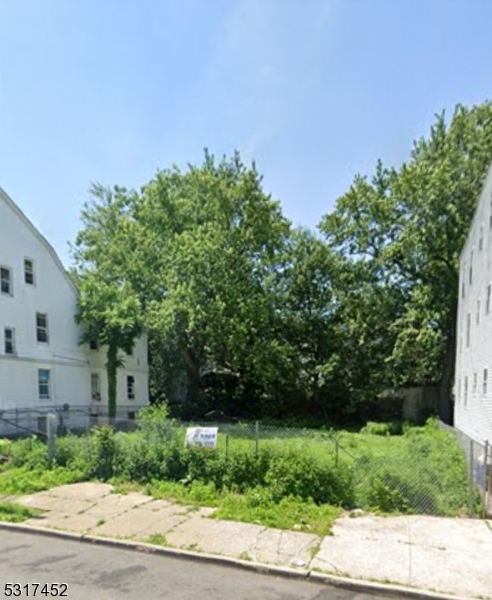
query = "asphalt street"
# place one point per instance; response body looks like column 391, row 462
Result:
column 101, row 573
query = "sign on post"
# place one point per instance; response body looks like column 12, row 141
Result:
column 201, row 437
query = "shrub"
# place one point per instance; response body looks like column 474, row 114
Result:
column 244, row 470
column 304, row 476
column 105, row 452
column 29, row 452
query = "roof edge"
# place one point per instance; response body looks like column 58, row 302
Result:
column 51, row 251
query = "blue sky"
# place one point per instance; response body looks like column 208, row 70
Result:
column 315, row 91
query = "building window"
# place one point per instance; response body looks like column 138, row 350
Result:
column 42, row 334
column 458, row 391
column 29, row 271
column 480, row 240
column 9, row 336
column 487, row 302
column 93, row 345
column 470, row 277
column 468, row 323
column 44, row 384
column 475, row 378
column 465, row 391
column 6, row 286
column 485, row 379
column 478, row 312
column 95, row 387
column 130, row 387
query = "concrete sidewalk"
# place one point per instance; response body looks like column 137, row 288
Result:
column 450, row 556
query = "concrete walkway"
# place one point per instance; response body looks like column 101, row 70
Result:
column 450, row 556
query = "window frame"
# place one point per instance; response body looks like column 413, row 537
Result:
column 9, row 280
column 32, row 273
column 485, row 381
column 95, row 395
column 46, row 382
column 41, row 328
column 130, row 387
column 11, row 341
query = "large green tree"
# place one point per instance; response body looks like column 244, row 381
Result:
column 205, row 242
column 109, row 310
column 405, row 228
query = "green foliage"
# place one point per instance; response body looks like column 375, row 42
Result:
column 108, row 307
column 105, row 452
column 398, row 236
column 425, row 474
column 422, row 470
column 14, row 513
column 24, row 480
column 307, row 477
column 257, row 506
column 392, row 428
column 29, row 453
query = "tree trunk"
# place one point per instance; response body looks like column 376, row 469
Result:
column 112, row 368
column 447, row 379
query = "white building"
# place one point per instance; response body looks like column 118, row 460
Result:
column 473, row 376
column 41, row 362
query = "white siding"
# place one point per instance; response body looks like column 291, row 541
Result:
column 53, row 293
column 475, row 418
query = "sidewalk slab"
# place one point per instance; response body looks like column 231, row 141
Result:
column 447, row 555
column 443, row 555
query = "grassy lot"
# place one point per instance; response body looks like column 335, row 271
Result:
column 292, row 479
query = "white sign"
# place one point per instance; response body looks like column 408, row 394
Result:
column 202, row 437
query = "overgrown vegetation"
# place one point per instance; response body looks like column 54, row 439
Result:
column 299, row 482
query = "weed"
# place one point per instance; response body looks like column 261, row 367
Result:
column 158, row 539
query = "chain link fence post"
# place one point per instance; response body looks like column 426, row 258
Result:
column 471, row 480
column 485, row 498
column 257, row 437
column 51, row 427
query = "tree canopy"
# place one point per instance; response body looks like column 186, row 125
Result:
column 250, row 315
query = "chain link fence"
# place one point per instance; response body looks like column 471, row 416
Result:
column 438, row 472
column 21, row 422
column 478, row 456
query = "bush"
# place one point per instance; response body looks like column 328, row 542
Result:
column 307, row 477
column 29, row 452
column 391, row 428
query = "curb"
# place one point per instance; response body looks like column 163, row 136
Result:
column 354, row 585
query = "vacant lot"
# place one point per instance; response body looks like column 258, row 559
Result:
column 287, row 478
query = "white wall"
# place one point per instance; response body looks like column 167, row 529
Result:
column 474, row 416
column 71, row 365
